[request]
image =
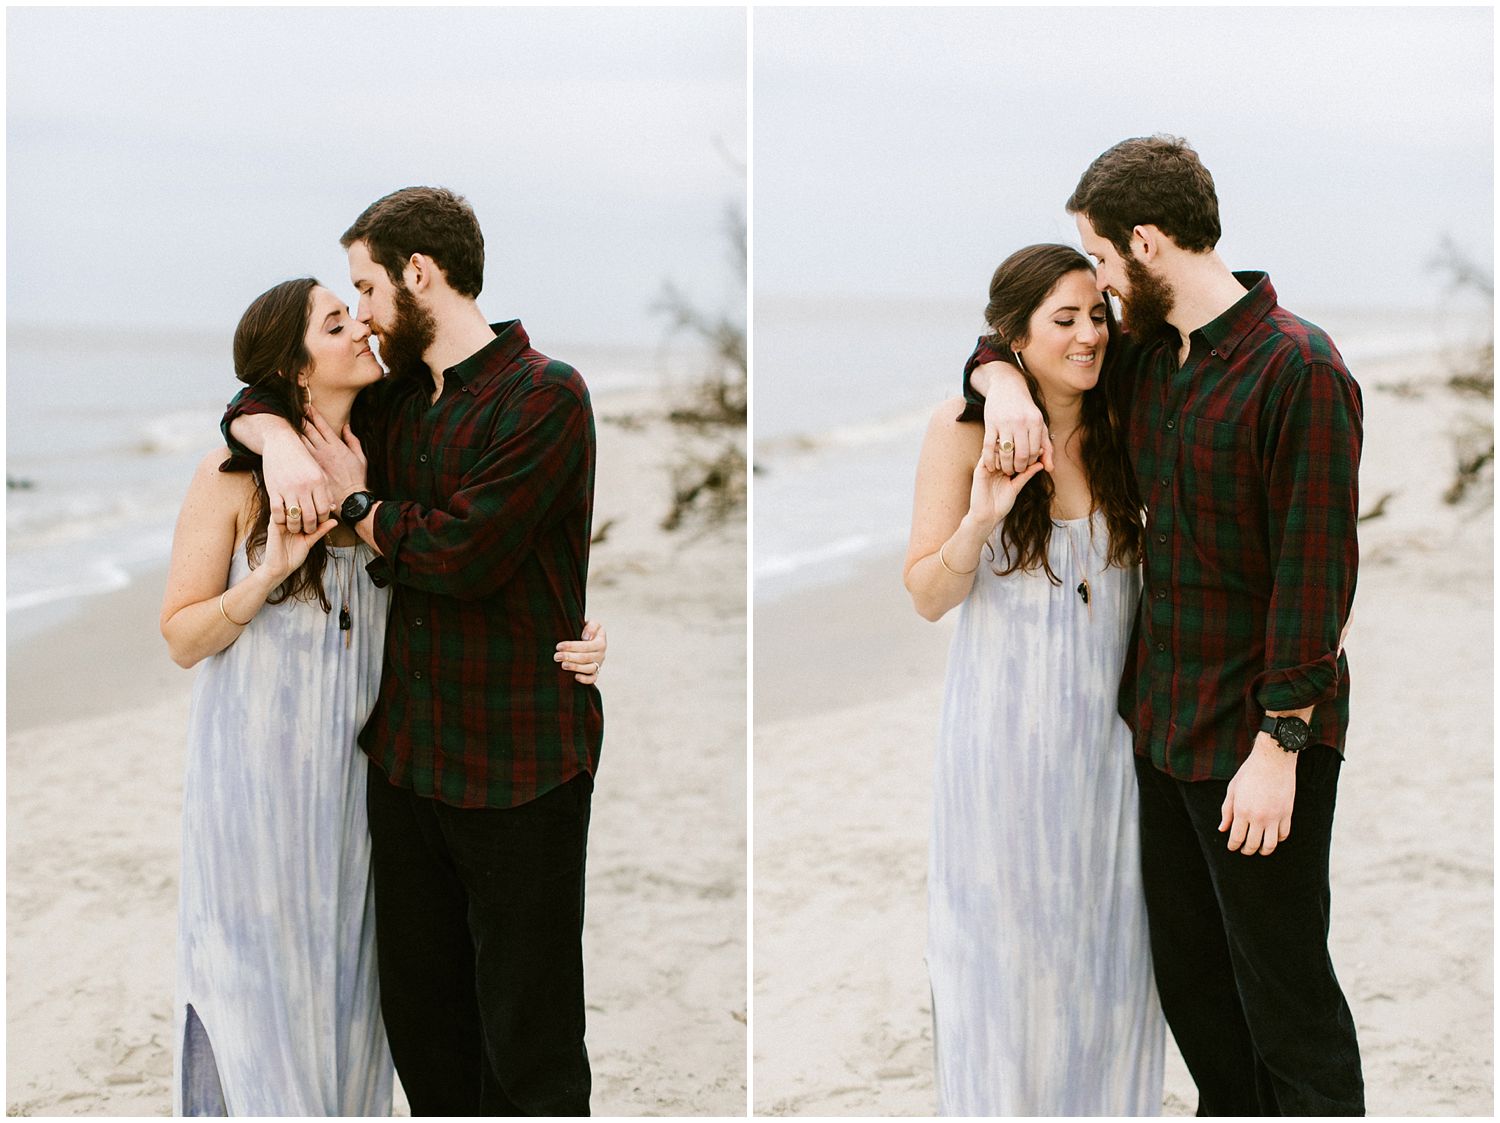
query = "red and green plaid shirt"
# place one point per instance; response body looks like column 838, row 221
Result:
column 487, row 501
column 1247, row 458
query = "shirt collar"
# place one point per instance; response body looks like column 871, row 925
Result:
column 1226, row 331
column 493, row 358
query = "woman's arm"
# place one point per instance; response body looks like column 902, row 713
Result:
column 957, row 504
column 195, row 621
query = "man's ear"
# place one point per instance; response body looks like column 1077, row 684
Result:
column 1146, row 242
column 1149, row 240
column 419, row 272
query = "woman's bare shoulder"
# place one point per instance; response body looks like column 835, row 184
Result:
column 946, row 432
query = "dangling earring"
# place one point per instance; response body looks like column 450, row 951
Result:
column 1019, row 363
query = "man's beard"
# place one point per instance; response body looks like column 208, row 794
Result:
column 1144, row 312
column 404, row 343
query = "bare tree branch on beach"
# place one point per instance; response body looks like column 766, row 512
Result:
column 709, row 477
column 1474, row 442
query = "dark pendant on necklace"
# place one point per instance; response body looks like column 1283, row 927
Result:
column 345, row 622
column 1083, row 591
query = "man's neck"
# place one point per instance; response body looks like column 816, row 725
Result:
column 1204, row 289
column 462, row 331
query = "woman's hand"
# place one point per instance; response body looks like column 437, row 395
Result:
column 286, row 551
column 584, row 657
column 1010, row 416
column 338, row 454
column 993, row 494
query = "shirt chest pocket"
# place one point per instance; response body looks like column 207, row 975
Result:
column 1219, row 475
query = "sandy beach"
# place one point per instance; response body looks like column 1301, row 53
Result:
column 97, row 715
column 848, row 688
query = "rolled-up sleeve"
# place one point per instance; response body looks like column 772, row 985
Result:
column 985, row 351
column 1311, row 456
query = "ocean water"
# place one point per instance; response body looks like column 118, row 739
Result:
column 103, row 433
column 843, row 391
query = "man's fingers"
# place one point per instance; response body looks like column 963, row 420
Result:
column 1238, row 831
column 1254, row 835
column 320, row 425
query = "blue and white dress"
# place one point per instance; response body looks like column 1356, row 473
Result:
column 1037, row 948
column 278, row 1001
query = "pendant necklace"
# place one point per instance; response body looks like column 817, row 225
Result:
column 1084, row 590
column 346, row 622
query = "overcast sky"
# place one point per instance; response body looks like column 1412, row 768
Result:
column 166, row 165
column 905, row 152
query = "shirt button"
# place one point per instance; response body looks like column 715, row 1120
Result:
column 417, row 675
column 1165, row 482
column 1215, row 353
column 419, row 621
column 423, row 458
column 1161, row 647
column 1162, row 538
column 1171, row 424
column 1161, row 594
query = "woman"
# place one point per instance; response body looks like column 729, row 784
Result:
column 1037, row 950
column 278, row 1009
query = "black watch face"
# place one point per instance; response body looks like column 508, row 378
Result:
column 1292, row 732
column 356, row 507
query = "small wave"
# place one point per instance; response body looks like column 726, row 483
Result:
column 178, row 432
column 779, row 565
column 102, row 577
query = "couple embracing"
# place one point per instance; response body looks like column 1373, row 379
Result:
column 1149, row 528
column 390, row 752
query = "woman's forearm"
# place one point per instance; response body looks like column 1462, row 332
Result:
column 944, row 577
column 205, row 628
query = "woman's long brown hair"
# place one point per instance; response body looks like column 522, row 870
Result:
column 270, row 350
column 1020, row 284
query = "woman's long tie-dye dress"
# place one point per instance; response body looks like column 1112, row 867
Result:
column 1037, row 949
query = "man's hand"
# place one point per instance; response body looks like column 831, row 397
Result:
column 293, row 479
column 1011, row 419
column 584, row 657
column 339, row 455
column 1257, row 810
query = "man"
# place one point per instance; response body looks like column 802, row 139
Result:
column 478, row 504
column 1244, row 428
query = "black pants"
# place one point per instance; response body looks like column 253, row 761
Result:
column 479, row 926
column 1240, row 948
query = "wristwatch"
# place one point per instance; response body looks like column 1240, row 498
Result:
column 1291, row 733
column 356, row 507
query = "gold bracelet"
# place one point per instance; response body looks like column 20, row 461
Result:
column 944, row 563
column 226, row 616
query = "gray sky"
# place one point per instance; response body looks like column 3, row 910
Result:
column 166, row 165
column 905, row 152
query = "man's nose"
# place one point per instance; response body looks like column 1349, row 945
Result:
column 362, row 311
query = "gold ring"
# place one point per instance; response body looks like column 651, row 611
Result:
column 1007, row 445
column 294, row 512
